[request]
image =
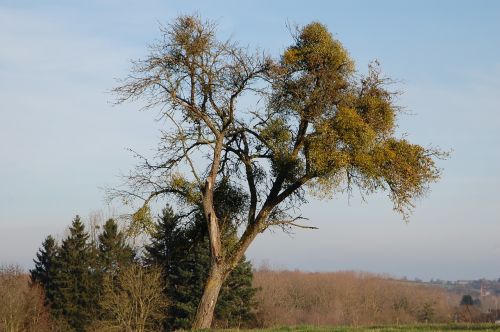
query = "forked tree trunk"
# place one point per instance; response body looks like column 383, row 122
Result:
column 206, row 307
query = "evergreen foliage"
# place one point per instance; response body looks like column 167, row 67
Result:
column 72, row 274
column 44, row 270
column 467, row 300
column 182, row 250
column 75, row 279
column 114, row 252
column 235, row 305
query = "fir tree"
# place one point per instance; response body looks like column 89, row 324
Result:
column 182, row 250
column 234, row 307
column 114, row 253
column 75, row 282
column 44, row 270
column 166, row 252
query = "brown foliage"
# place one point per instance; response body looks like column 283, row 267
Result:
column 21, row 303
column 347, row 298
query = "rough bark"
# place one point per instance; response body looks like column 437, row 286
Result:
column 209, row 209
column 216, row 276
column 206, row 307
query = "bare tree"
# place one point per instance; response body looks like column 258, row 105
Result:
column 22, row 305
column 133, row 302
column 314, row 123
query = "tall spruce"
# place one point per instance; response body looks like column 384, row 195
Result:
column 182, row 250
column 75, row 279
column 235, row 307
column 114, row 252
column 44, row 270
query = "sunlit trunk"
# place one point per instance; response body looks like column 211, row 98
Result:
column 206, row 307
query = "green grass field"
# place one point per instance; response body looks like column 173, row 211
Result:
column 419, row 328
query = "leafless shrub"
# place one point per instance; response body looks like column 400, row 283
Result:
column 22, row 303
column 134, row 301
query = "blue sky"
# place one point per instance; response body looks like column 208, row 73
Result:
column 61, row 139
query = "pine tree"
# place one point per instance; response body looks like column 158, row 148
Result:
column 44, row 270
column 166, row 252
column 234, row 307
column 114, row 253
column 183, row 253
column 75, row 281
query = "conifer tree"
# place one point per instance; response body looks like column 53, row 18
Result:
column 75, row 281
column 235, row 305
column 44, row 270
column 166, row 251
column 114, row 253
column 182, row 250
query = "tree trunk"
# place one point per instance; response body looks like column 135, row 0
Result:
column 206, row 307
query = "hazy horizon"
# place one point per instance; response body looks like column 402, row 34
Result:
column 61, row 139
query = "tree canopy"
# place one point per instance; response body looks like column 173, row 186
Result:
column 315, row 125
column 73, row 273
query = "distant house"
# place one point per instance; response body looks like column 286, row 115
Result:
column 463, row 282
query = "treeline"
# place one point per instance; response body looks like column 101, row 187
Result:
column 284, row 298
column 356, row 299
column 104, row 284
column 22, row 306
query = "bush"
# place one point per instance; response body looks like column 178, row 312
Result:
column 22, row 303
